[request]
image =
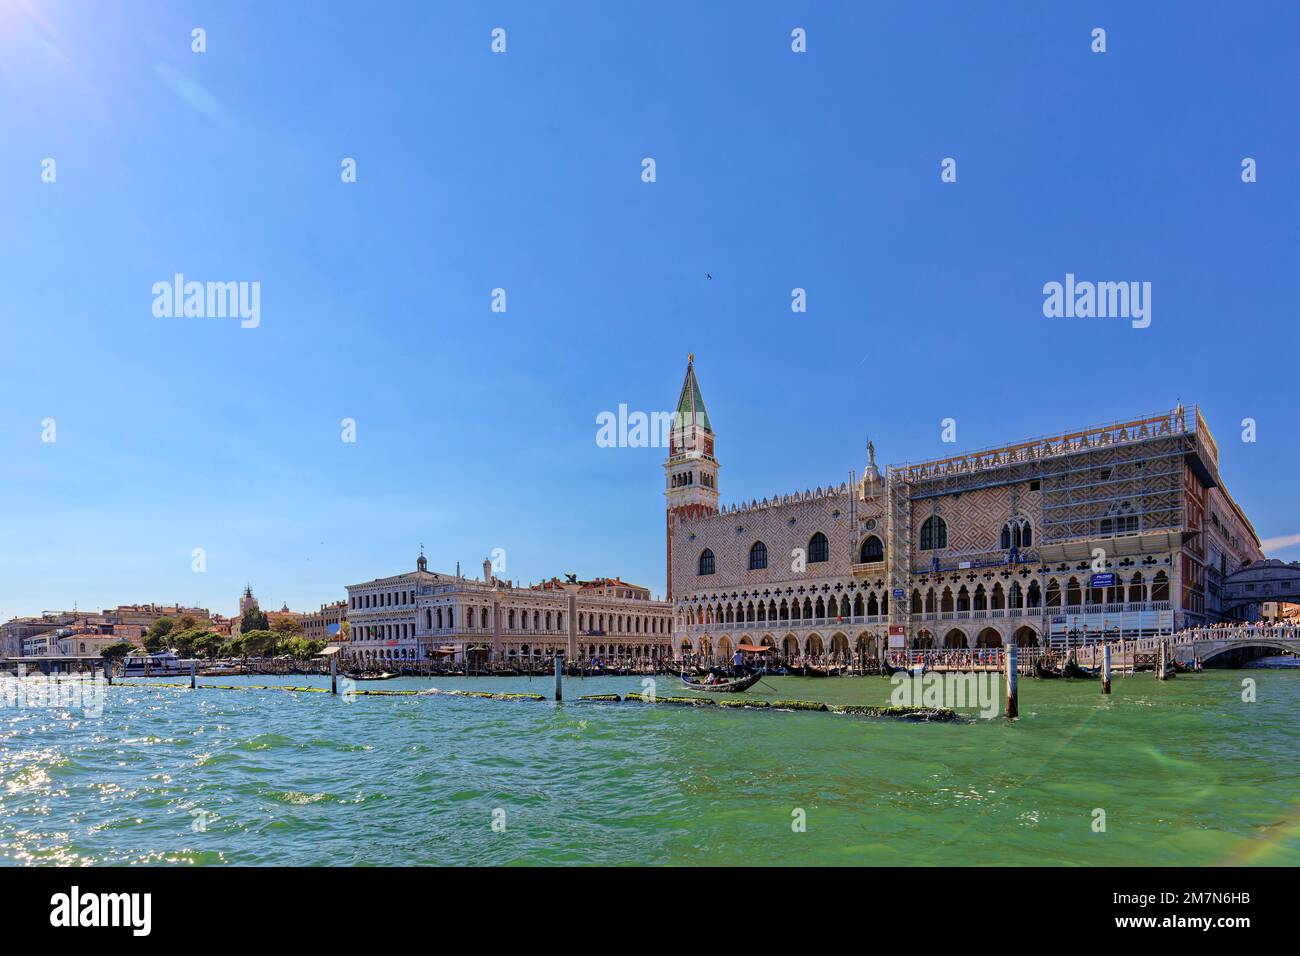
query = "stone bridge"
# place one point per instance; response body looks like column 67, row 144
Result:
column 1271, row 580
column 1207, row 643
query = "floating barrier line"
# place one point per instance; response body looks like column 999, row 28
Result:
column 855, row 710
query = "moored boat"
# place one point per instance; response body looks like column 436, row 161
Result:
column 1042, row 670
column 890, row 670
column 1074, row 671
column 165, row 664
column 732, row 686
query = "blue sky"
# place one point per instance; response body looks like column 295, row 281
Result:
column 476, row 430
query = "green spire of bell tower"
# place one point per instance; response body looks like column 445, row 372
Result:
column 690, row 405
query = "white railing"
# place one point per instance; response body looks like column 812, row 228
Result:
column 1239, row 632
column 795, row 624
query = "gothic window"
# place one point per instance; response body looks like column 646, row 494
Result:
column 1120, row 519
column 818, row 549
column 1073, row 593
column 706, row 561
column 872, row 550
column 934, row 534
column 758, row 556
column 1017, row 533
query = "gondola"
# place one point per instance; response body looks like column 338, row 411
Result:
column 1074, row 671
column 831, row 670
column 890, row 670
column 370, row 675
column 1042, row 670
column 733, row 686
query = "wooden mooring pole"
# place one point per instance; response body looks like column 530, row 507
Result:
column 1013, row 686
column 193, row 675
column 1160, row 662
column 559, row 677
column 1105, row 669
column 334, row 673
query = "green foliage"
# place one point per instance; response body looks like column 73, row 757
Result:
column 300, row 648
column 157, row 637
column 254, row 619
column 115, row 652
column 257, row 643
column 286, row 627
column 186, row 642
column 209, row 645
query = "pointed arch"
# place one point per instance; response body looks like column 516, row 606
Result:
column 819, row 549
column 934, row 534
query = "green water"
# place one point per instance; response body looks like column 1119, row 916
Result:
column 1186, row 772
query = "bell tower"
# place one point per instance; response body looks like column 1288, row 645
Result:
column 691, row 470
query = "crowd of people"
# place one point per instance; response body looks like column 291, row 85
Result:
column 1248, row 629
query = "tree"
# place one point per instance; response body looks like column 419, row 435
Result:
column 258, row 643
column 208, row 645
column 254, row 619
column 185, row 642
column 286, row 627
column 115, row 652
column 301, row 649
column 155, row 639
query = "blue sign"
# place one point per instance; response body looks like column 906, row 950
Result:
column 898, row 592
column 1106, row 580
